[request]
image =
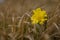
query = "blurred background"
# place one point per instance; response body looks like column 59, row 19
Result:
column 15, row 23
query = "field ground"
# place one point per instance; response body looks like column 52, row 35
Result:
column 15, row 23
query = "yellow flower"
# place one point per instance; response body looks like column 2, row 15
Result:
column 39, row 16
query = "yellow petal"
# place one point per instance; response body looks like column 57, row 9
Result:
column 45, row 15
column 34, row 11
column 35, row 22
column 41, row 23
column 38, row 9
column 46, row 19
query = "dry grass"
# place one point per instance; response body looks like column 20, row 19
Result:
column 15, row 23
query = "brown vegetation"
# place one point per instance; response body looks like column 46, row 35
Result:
column 15, row 23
